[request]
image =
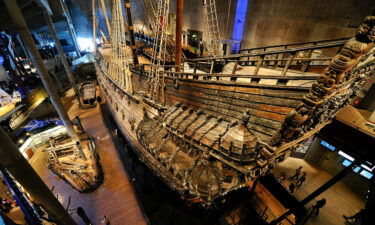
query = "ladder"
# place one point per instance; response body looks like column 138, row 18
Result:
column 159, row 48
column 119, row 65
column 211, row 26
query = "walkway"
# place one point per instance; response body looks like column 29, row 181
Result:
column 340, row 198
column 115, row 197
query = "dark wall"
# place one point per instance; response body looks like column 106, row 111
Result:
column 331, row 162
column 269, row 21
column 285, row 21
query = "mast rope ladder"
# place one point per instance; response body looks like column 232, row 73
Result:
column 119, row 65
column 211, row 26
column 159, row 47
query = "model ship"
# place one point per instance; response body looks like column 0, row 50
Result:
column 88, row 94
column 209, row 133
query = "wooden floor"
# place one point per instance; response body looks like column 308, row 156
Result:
column 115, row 197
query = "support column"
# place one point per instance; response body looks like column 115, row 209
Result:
column 131, row 32
column 70, row 27
column 179, row 18
column 106, row 17
column 60, row 50
column 94, row 26
column 22, row 46
column 19, row 22
column 21, row 170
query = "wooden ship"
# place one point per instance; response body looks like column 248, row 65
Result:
column 225, row 120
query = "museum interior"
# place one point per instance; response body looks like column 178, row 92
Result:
column 187, row 112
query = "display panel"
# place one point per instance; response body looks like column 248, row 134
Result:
column 346, row 163
column 327, row 145
column 366, row 174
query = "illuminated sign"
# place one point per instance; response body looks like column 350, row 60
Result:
column 327, row 145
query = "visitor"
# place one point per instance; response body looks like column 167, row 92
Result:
column 291, row 187
column 106, row 220
column 296, row 175
column 319, row 204
column 282, row 176
column 356, row 218
column 301, row 179
column 201, row 48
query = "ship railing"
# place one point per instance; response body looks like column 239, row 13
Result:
column 286, row 46
column 302, row 82
column 309, row 58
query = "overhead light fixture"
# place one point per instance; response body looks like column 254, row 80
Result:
column 366, row 167
column 343, row 154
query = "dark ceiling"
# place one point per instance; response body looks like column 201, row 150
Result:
column 32, row 13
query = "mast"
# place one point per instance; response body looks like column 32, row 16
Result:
column 131, row 32
column 179, row 17
column 106, row 16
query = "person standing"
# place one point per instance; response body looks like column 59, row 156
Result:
column 301, row 179
column 319, row 204
column 201, row 48
column 296, row 175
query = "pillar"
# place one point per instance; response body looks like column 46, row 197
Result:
column 93, row 26
column 70, row 26
column 131, row 32
column 106, row 17
column 21, row 170
column 60, row 50
column 23, row 47
column 179, row 17
column 20, row 24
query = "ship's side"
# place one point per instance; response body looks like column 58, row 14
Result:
column 208, row 134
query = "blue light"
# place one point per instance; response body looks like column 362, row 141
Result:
column 239, row 24
column 366, row 174
column 346, row 163
column 1, row 60
column 327, row 145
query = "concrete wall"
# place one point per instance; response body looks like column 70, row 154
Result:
column 286, row 21
column 268, row 22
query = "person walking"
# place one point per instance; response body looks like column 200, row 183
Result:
column 291, row 187
column 105, row 220
column 296, row 175
column 301, row 179
column 319, row 204
column 356, row 217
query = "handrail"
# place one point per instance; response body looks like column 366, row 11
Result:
column 294, row 44
column 263, row 76
column 293, row 50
